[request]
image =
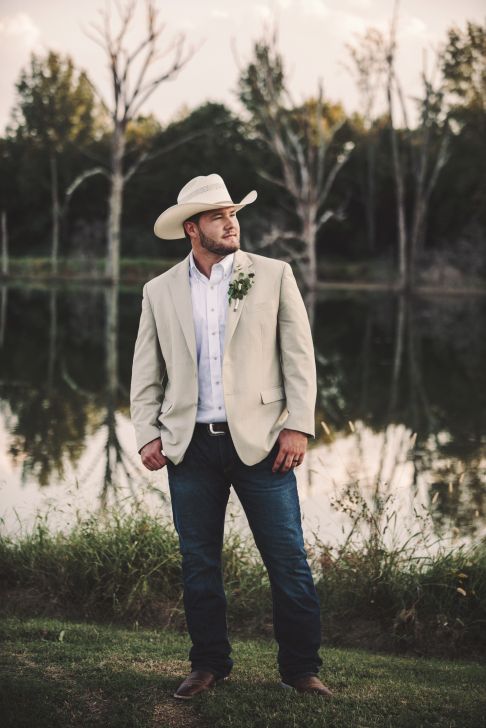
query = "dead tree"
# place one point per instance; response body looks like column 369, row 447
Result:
column 368, row 68
column 397, row 159
column 131, row 89
column 427, row 162
column 4, row 235
column 427, row 158
column 300, row 138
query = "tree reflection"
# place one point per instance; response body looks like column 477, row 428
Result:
column 119, row 465
column 53, row 416
column 3, row 312
column 396, row 344
column 387, row 366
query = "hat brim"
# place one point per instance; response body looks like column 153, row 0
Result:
column 168, row 225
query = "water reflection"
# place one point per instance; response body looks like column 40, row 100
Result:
column 401, row 395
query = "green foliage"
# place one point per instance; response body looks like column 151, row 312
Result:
column 240, row 287
column 263, row 78
column 55, row 104
column 464, row 65
column 55, row 122
column 464, row 68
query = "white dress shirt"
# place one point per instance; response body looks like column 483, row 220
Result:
column 209, row 309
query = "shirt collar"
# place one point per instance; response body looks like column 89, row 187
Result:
column 226, row 263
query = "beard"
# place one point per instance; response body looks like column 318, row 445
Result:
column 219, row 247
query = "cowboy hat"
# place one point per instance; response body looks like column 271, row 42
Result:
column 198, row 195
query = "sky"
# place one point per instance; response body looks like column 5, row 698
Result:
column 312, row 39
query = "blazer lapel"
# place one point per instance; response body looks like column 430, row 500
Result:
column 180, row 290
column 242, row 264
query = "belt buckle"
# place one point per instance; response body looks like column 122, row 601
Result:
column 215, row 432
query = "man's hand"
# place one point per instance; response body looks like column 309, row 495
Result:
column 292, row 447
column 152, row 456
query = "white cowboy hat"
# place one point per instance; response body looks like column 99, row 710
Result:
column 198, row 195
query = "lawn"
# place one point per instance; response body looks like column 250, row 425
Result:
column 62, row 673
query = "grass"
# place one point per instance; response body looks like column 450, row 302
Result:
column 58, row 673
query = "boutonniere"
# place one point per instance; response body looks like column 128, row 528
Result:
column 239, row 288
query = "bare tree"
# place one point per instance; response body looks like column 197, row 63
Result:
column 398, row 163
column 427, row 160
column 131, row 89
column 4, row 235
column 300, row 138
column 368, row 67
column 428, row 145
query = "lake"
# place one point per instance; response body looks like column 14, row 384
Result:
column 401, row 395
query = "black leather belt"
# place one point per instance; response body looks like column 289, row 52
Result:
column 215, row 428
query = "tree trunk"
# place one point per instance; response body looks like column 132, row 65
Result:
column 51, row 361
column 4, row 243
column 400, row 192
column 113, row 446
column 370, row 193
column 398, row 173
column 112, row 267
column 417, row 236
column 3, row 313
column 55, row 213
column 309, row 233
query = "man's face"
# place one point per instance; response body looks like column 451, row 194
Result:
column 219, row 231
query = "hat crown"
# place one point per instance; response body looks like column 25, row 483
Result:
column 210, row 189
column 198, row 195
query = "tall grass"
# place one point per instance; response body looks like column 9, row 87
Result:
column 126, row 568
column 408, row 588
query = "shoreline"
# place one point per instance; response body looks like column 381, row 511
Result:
column 322, row 285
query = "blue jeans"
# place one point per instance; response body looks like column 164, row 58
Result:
column 199, row 488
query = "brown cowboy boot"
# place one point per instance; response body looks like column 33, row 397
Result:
column 308, row 684
column 196, row 682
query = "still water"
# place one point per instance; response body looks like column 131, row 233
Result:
column 401, row 399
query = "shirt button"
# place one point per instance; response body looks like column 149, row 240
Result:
column 215, row 357
column 220, row 408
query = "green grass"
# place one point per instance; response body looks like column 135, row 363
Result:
column 58, row 673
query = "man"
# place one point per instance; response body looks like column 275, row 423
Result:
column 223, row 393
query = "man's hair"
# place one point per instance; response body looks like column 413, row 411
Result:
column 194, row 218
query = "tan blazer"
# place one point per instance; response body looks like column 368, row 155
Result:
column 269, row 374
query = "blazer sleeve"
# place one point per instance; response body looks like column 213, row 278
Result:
column 297, row 356
column 148, row 371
